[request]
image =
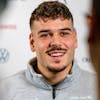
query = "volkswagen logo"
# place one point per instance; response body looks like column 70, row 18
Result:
column 4, row 55
column 86, row 59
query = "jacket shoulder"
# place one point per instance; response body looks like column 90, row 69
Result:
column 9, row 85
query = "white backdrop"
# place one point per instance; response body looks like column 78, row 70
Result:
column 14, row 34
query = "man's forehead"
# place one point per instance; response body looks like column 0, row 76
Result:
column 51, row 24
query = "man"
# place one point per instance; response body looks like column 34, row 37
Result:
column 53, row 74
column 94, row 39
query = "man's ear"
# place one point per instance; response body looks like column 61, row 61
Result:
column 31, row 40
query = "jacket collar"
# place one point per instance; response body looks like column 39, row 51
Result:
column 39, row 81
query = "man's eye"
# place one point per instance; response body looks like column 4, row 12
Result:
column 44, row 35
column 64, row 33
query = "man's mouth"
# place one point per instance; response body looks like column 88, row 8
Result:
column 56, row 53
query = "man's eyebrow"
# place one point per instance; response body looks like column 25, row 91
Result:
column 47, row 30
column 69, row 29
column 43, row 31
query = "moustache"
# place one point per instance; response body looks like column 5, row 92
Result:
column 55, row 48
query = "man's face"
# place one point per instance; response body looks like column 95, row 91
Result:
column 54, row 42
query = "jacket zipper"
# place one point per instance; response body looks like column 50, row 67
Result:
column 53, row 92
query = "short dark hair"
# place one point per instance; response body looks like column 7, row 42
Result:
column 50, row 10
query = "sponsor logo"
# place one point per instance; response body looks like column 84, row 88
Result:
column 8, row 27
column 86, row 60
column 4, row 55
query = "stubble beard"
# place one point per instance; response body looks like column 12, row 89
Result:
column 56, row 70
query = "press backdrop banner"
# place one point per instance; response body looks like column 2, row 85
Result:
column 14, row 34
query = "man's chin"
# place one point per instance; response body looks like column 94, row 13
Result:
column 57, row 69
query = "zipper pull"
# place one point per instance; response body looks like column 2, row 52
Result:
column 53, row 92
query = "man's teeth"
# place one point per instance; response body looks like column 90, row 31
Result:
column 56, row 54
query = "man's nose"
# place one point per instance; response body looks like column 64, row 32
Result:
column 56, row 41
